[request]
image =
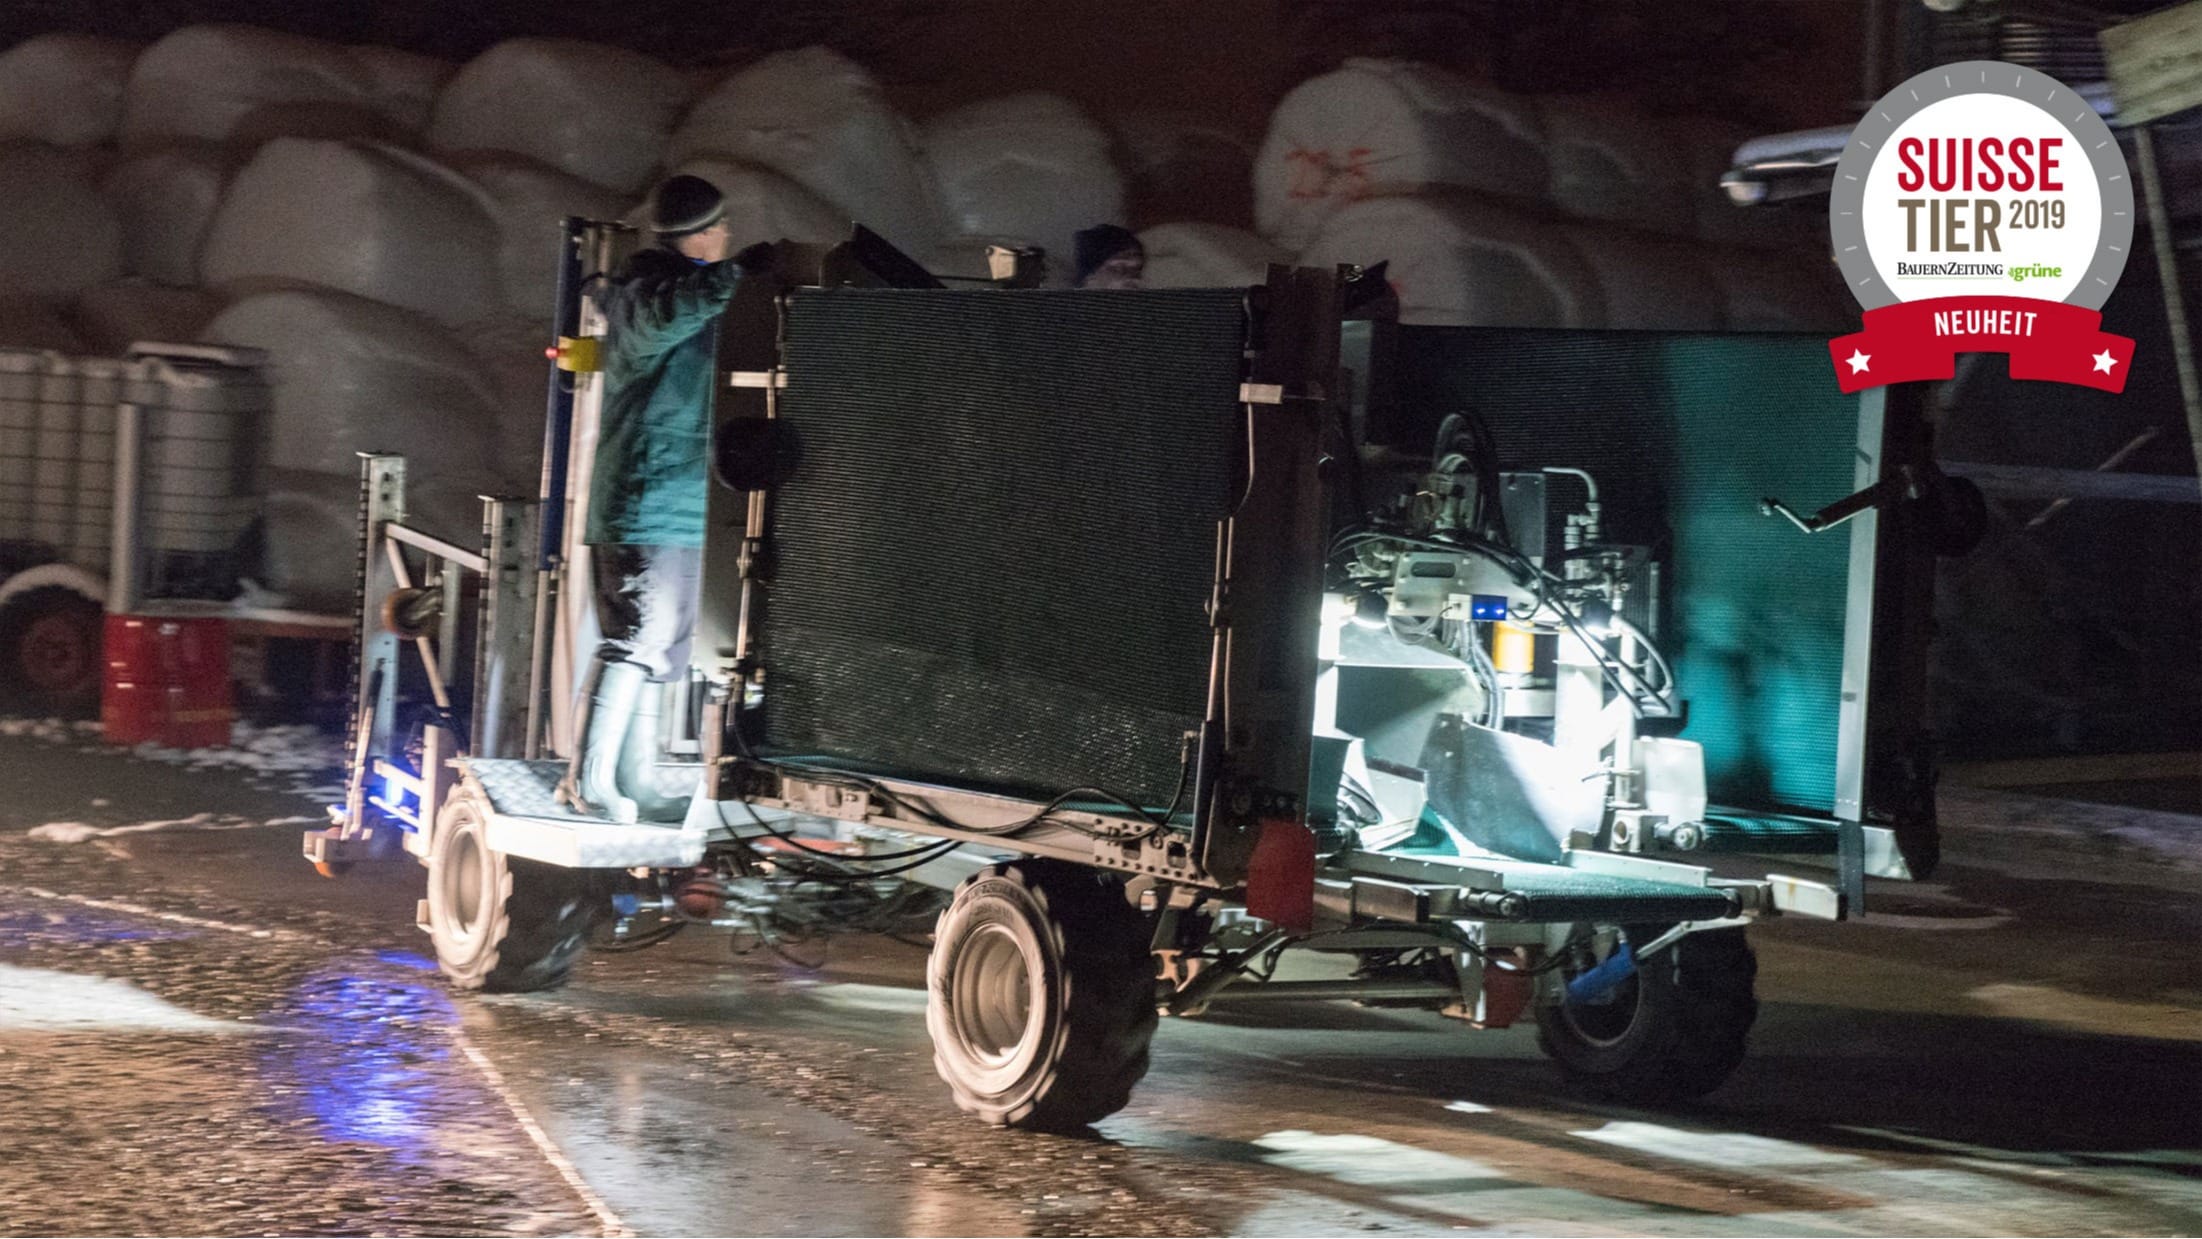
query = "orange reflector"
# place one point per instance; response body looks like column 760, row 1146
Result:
column 1280, row 879
column 1513, row 649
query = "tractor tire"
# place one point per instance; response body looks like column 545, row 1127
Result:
column 1040, row 996
column 1673, row 1031
column 50, row 652
column 499, row 923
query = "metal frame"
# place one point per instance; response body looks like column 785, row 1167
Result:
column 1865, row 539
column 1253, row 749
column 505, row 586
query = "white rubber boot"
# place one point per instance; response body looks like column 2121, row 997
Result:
column 608, row 703
column 638, row 762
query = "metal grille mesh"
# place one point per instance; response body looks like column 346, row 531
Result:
column 991, row 565
column 1685, row 435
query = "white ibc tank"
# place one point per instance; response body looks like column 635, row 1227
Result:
column 1207, row 256
column 64, row 89
column 599, row 113
column 762, row 205
column 820, row 120
column 1649, row 282
column 1380, row 127
column 165, row 200
column 362, row 218
column 352, row 376
column 1611, row 162
column 529, row 201
column 240, row 84
column 1027, row 169
column 1462, row 261
column 113, row 317
column 58, row 234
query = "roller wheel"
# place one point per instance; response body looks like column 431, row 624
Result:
column 1041, row 996
column 499, row 923
column 1674, row 1030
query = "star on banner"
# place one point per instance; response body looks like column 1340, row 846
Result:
column 2104, row 361
column 1857, row 360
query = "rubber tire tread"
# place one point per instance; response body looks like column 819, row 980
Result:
column 1104, row 947
column 539, row 928
column 1692, row 1028
column 15, row 618
column 548, row 916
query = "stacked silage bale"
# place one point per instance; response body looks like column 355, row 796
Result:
column 384, row 224
column 1507, row 210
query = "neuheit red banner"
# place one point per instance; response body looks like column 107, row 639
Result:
column 2048, row 340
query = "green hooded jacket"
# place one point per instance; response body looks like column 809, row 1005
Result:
column 660, row 343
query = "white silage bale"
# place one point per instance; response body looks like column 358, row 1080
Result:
column 1024, row 169
column 58, row 235
column 1610, row 161
column 166, row 199
column 1207, row 256
column 762, row 205
column 349, row 376
column 113, row 317
column 358, row 217
column 529, row 202
column 1376, row 128
column 403, row 86
column 36, row 323
column 820, row 120
column 1650, row 282
column 512, row 367
column 310, row 539
column 225, row 83
column 310, row 530
column 64, row 89
column 1461, row 261
column 599, row 113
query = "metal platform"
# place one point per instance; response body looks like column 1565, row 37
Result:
column 527, row 821
column 1593, row 886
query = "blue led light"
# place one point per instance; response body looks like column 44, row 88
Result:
column 1486, row 607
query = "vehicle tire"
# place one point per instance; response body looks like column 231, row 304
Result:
column 1040, row 995
column 1674, row 1030
column 500, row 923
column 50, row 651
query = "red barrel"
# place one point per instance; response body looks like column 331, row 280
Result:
column 167, row 682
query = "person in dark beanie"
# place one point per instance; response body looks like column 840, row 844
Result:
column 646, row 497
column 1110, row 257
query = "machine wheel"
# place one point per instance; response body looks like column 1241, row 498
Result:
column 500, row 923
column 50, row 651
column 1673, row 1030
column 1040, row 996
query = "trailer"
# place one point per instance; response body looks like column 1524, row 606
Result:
column 1172, row 637
column 130, row 507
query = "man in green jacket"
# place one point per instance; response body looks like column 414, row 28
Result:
column 647, row 495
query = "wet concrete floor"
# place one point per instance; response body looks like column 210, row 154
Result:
column 198, row 1035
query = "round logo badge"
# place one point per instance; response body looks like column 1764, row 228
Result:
column 1981, row 179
